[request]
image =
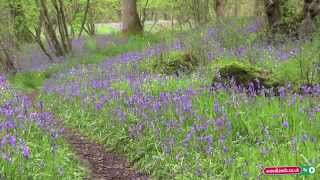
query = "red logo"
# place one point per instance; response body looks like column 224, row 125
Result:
column 282, row 170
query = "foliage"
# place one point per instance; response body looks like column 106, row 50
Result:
column 127, row 93
column 31, row 147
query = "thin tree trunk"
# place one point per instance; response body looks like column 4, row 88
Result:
column 84, row 18
column 90, row 25
column 143, row 14
column 60, row 28
column 37, row 37
column 64, row 23
column 49, row 28
column 19, row 21
column 258, row 7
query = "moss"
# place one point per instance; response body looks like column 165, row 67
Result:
column 243, row 74
column 29, row 80
column 174, row 63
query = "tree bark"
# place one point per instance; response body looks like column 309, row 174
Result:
column 62, row 25
column 37, row 37
column 273, row 12
column 90, row 27
column 143, row 14
column 21, row 30
column 59, row 51
column 306, row 5
column 258, row 7
column 7, row 61
column 84, row 20
column 219, row 7
column 311, row 10
column 131, row 23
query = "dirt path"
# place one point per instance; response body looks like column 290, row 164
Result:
column 103, row 165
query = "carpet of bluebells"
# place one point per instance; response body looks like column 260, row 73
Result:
column 186, row 127
column 30, row 146
column 183, row 127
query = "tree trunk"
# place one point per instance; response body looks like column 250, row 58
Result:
column 59, row 51
column 90, row 27
column 84, row 18
column 236, row 8
column 37, row 37
column 7, row 61
column 62, row 25
column 219, row 7
column 273, row 12
column 143, row 14
column 307, row 3
column 311, row 9
column 258, row 8
column 130, row 19
column 21, row 29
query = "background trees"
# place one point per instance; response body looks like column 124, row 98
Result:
column 52, row 24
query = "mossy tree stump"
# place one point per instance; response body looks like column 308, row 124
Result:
column 175, row 63
column 245, row 75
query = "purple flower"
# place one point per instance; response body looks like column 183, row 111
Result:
column 283, row 55
column 306, row 89
column 121, row 114
column 3, row 81
column 10, row 124
column 26, row 151
column 285, row 124
column 99, row 106
column 240, row 52
column 157, row 106
column 209, row 141
column 7, row 110
column 220, row 123
column 217, row 108
column 186, row 103
column 282, row 92
column 137, row 130
column 3, row 141
column 189, row 137
column 252, row 89
column 13, row 141
column 96, row 84
column 225, row 149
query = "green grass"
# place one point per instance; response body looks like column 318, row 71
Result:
column 29, row 80
column 43, row 163
column 256, row 137
column 249, row 117
column 135, row 43
column 106, row 29
column 49, row 158
column 35, row 80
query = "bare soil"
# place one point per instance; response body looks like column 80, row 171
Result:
column 103, row 165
